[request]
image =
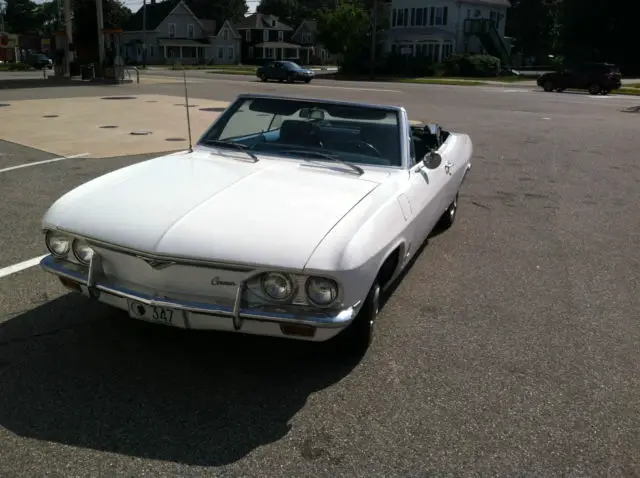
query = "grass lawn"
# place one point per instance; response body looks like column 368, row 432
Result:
column 627, row 91
column 442, row 81
column 633, row 85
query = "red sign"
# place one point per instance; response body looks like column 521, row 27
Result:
column 4, row 40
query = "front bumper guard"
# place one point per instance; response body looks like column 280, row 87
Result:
column 95, row 282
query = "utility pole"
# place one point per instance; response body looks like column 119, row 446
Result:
column 144, row 33
column 100, row 18
column 68, row 27
column 374, row 28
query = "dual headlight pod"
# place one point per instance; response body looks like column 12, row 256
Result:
column 60, row 244
column 280, row 287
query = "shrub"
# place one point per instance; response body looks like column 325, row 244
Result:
column 18, row 66
column 466, row 65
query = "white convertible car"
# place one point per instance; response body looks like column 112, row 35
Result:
column 287, row 218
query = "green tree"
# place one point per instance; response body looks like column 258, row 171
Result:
column 21, row 16
column 344, row 29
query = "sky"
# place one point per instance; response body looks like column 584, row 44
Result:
column 135, row 5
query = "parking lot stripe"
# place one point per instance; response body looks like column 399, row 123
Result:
column 35, row 163
column 20, row 266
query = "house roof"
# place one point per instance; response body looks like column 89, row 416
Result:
column 260, row 21
column 311, row 25
column 155, row 14
column 158, row 11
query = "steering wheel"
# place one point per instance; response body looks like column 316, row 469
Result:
column 360, row 143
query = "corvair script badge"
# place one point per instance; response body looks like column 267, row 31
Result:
column 217, row 281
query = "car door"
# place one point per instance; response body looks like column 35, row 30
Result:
column 427, row 192
column 278, row 70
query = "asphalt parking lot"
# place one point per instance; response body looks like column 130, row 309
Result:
column 511, row 347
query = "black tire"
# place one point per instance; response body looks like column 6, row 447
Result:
column 262, row 77
column 308, row 80
column 595, row 89
column 449, row 217
column 355, row 340
column 604, row 92
column 547, row 86
column 560, row 90
column 289, row 79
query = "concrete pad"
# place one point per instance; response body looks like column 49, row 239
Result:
column 74, row 125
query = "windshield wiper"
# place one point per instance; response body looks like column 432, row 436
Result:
column 359, row 171
column 231, row 144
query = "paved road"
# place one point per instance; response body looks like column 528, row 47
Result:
column 510, row 347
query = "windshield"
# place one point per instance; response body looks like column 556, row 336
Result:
column 291, row 65
column 303, row 128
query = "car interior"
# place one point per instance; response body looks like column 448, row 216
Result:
column 355, row 134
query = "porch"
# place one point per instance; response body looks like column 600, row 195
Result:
column 182, row 49
column 436, row 50
column 276, row 51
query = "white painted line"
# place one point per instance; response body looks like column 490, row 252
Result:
column 7, row 271
column 351, row 88
column 46, row 161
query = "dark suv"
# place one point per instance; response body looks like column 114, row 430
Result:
column 597, row 78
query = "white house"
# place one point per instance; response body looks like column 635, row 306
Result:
column 438, row 28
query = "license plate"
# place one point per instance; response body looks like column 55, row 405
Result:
column 151, row 313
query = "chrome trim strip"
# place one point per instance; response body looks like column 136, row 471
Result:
column 320, row 318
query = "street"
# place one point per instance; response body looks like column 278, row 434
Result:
column 509, row 348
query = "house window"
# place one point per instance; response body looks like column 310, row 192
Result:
column 419, row 17
column 190, row 30
column 225, row 34
column 405, row 16
column 413, row 16
column 220, row 53
column 247, row 35
column 230, row 55
column 306, row 37
column 400, row 17
column 394, row 17
column 447, row 50
column 268, row 53
column 280, row 36
column 172, row 30
column 439, row 16
column 432, row 16
column 495, row 19
column 251, row 52
column 150, row 51
column 265, row 35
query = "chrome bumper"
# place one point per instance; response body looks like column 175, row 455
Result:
column 97, row 284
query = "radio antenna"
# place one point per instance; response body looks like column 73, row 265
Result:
column 186, row 104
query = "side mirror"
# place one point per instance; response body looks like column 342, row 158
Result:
column 432, row 160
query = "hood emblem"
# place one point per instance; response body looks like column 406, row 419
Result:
column 217, row 281
column 157, row 264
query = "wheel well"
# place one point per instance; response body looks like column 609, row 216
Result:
column 389, row 266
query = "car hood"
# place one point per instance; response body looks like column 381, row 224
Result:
column 215, row 207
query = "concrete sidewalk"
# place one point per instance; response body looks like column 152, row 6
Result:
column 103, row 126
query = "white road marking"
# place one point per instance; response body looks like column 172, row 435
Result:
column 7, row 271
column 351, row 88
column 46, row 161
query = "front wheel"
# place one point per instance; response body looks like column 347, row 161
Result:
column 595, row 89
column 308, row 80
column 262, row 77
column 548, row 86
column 356, row 339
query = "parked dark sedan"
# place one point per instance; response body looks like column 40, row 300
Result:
column 597, row 78
column 284, row 71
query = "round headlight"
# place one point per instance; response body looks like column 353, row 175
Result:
column 82, row 251
column 321, row 291
column 277, row 286
column 58, row 244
